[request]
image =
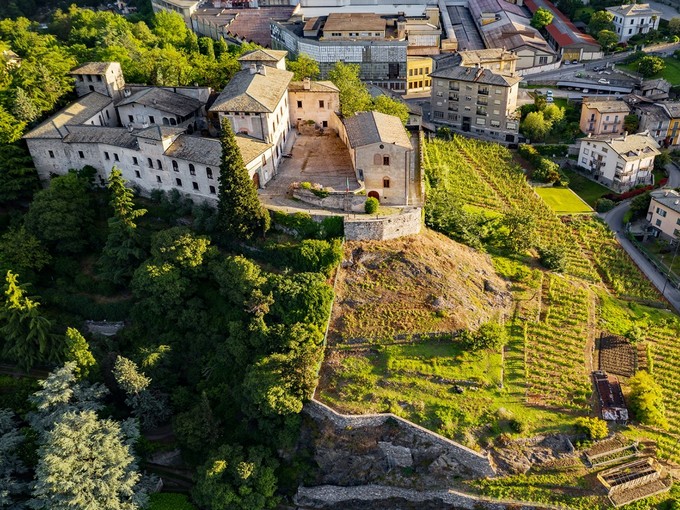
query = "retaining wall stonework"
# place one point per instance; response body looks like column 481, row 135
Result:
column 407, row 223
column 478, row 463
column 341, row 201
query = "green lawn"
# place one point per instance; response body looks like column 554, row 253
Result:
column 671, row 73
column 563, row 200
column 588, row 190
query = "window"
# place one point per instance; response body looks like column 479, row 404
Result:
column 192, row 169
column 81, row 155
column 438, row 115
column 542, row 61
column 630, row 30
column 80, row 77
column 131, row 118
column 178, row 182
column 386, row 182
column 212, row 190
column 299, row 103
column 106, row 156
column 661, row 212
column 658, row 223
column 159, row 165
column 209, row 173
column 89, row 78
column 135, row 161
column 99, row 78
column 481, row 122
column 495, row 123
column 149, row 162
column 584, row 160
column 137, row 174
column 386, row 161
column 151, row 119
column 51, row 153
column 158, row 179
column 115, row 157
column 107, row 114
column 321, row 104
column 604, row 149
column 324, row 123
column 195, row 185
column 175, row 166
column 678, row 221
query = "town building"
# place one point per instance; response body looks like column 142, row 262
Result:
column 571, row 44
column 498, row 60
column 476, row 100
column 183, row 7
column 634, row 19
column 655, row 89
column 664, row 213
column 264, row 57
column 418, row 79
column 619, row 162
column 382, row 157
column 313, row 102
column 505, row 25
column 661, row 119
column 601, row 117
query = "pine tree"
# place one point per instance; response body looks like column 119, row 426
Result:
column 241, row 216
column 122, row 252
column 78, row 351
column 146, row 405
column 86, row 463
column 11, row 465
column 25, row 332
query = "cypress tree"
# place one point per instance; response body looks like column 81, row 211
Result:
column 240, row 214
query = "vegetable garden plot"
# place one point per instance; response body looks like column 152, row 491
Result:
column 617, row 356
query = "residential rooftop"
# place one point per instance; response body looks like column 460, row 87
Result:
column 630, row 147
column 367, row 128
column 78, row 112
column 115, row 136
column 668, row 198
column 475, row 75
column 634, row 10
column 562, row 30
column 253, row 92
column 163, row 100
column 263, row 55
column 158, row 133
column 92, row 68
column 607, row 106
column 354, row 21
column 312, row 86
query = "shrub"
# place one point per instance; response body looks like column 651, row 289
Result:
column 490, row 335
column 371, row 205
column 594, row 428
column 604, row 205
column 317, row 256
column 333, row 226
column 546, row 171
column 518, row 425
column 552, row 150
column 553, row 257
column 646, row 400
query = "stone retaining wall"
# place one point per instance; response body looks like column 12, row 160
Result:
column 368, row 228
column 479, row 463
column 337, row 200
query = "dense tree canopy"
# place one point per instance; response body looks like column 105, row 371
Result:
column 541, row 18
column 303, row 67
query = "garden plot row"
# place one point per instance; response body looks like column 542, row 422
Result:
column 555, row 352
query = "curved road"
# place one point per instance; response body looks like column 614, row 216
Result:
column 614, row 219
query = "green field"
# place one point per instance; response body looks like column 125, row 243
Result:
column 588, row 190
column 563, row 200
column 671, row 73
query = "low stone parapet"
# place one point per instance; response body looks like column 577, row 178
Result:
column 382, row 228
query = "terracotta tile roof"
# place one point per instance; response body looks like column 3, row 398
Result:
column 562, row 30
column 367, row 128
column 158, row 133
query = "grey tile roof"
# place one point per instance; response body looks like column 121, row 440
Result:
column 158, row 133
column 630, row 147
column 634, row 10
column 255, row 93
column 366, row 128
column 76, row 113
column 92, row 68
column 164, row 100
column 607, row 106
column 476, row 75
column 208, row 151
column 314, row 86
column 668, row 198
column 118, row 137
column 263, row 55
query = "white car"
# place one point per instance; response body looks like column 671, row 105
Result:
column 549, row 99
column 549, row 93
column 603, row 81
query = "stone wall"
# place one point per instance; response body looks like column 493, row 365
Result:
column 338, row 200
column 367, row 228
column 479, row 464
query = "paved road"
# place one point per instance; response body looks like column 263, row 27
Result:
column 614, row 219
column 673, row 175
column 667, row 12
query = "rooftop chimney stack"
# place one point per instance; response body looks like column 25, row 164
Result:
column 307, row 84
column 253, row 68
column 262, row 70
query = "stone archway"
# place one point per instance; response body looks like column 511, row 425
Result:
column 374, row 194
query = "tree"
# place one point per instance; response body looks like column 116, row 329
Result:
column 631, row 123
column 553, row 257
column 78, row 351
column 640, row 205
column 650, row 65
column 535, row 126
column 519, row 230
column 354, row 96
column 389, row 106
column 25, row 332
column 646, row 400
column 541, row 18
column 181, row 247
column 145, row 405
column 674, row 26
column 62, row 216
column 241, row 216
column 122, row 252
column 22, row 252
column 569, row 7
column 490, row 335
column 86, row 463
column 553, row 113
column 197, row 429
column 595, row 428
column 607, row 39
column 237, row 479
column 601, row 20
column 303, row 67
column 11, row 466
column 18, row 177
column 11, row 128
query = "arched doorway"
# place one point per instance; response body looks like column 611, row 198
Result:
column 256, row 180
column 374, row 194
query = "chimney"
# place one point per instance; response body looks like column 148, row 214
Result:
column 307, row 84
column 253, row 68
column 261, row 69
column 625, row 135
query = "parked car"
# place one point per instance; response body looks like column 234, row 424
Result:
column 549, row 99
column 603, row 81
column 549, row 93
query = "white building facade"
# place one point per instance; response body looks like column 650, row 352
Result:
column 633, row 19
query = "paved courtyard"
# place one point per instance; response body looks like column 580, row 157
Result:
column 316, row 158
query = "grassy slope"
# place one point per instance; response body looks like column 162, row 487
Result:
column 563, row 200
column 588, row 190
column 671, row 73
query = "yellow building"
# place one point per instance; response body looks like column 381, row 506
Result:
column 673, row 111
column 418, row 74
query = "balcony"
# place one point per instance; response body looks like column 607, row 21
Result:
column 453, row 97
column 483, row 91
column 482, row 112
column 482, row 101
column 454, row 86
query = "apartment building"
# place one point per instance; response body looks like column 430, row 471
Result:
column 619, row 162
column 183, row 7
column 603, row 117
column 661, row 119
column 476, row 100
column 664, row 214
column 634, row 19
column 418, row 79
